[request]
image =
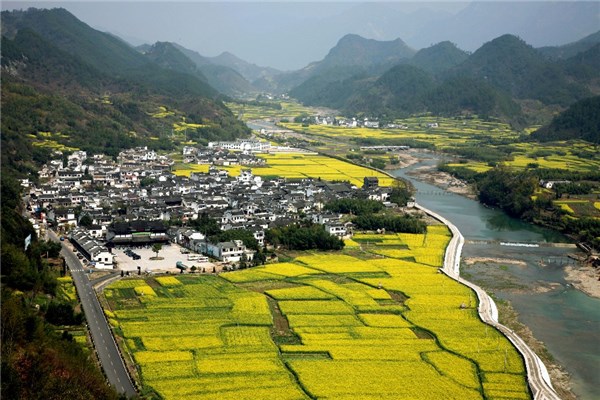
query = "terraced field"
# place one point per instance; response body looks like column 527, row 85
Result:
column 322, row 326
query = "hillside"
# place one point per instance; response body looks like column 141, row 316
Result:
column 403, row 87
column 439, row 57
column 580, row 121
column 511, row 65
column 251, row 72
column 444, row 79
column 68, row 86
column 356, row 50
column 571, row 49
column 175, row 57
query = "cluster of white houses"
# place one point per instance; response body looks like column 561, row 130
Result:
column 131, row 202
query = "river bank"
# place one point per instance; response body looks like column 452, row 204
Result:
column 585, row 278
column 562, row 319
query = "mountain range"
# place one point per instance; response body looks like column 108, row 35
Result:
column 502, row 78
column 66, row 84
column 91, row 90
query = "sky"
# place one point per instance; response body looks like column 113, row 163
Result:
column 288, row 35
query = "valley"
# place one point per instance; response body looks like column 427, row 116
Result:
column 320, row 232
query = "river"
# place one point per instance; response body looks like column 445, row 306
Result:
column 565, row 319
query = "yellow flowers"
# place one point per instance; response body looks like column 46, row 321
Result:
column 296, row 165
column 168, row 281
column 320, row 326
column 144, row 290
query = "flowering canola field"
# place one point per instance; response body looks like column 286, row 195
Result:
column 297, row 166
column 321, row 326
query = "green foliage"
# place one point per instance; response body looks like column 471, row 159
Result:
column 401, row 194
column 354, row 206
column 405, row 223
column 156, row 248
column 303, row 237
column 509, row 191
column 38, row 363
column 457, row 95
column 439, row 57
column 59, row 71
column 61, row 313
column 573, row 188
column 509, row 64
column 580, row 121
column 85, row 221
column 206, row 225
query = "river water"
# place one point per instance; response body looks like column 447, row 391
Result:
column 565, row 319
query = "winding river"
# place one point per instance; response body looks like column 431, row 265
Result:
column 565, row 319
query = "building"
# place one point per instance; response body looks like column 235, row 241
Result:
column 92, row 250
column 228, row 251
column 370, row 182
column 137, row 232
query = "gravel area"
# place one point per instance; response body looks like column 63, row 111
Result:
column 170, row 254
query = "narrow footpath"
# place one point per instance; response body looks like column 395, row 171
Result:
column 537, row 374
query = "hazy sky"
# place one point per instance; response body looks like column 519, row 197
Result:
column 288, row 35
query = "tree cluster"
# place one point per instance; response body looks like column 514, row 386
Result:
column 37, row 361
column 354, row 206
column 391, row 223
column 303, row 237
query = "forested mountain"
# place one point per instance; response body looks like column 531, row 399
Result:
column 353, row 55
column 580, row 121
column 446, row 80
column 439, row 57
column 356, row 50
column 571, row 49
column 250, row 71
column 66, row 84
column 173, row 56
column 403, row 87
column 511, row 65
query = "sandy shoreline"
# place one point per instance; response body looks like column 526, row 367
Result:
column 473, row 260
column 443, row 180
column 584, row 278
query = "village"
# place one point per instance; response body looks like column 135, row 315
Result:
column 114, row 212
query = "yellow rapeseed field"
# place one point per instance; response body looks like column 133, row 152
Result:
column 319, row 326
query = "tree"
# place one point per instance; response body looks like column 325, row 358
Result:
column 85, row 221
column 156, row 247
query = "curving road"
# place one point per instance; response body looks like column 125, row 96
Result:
column 537, row 374
column 102, row 338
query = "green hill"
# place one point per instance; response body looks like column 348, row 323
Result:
column 358, row 51
column 439, row 57
column 571, row 49
column 511, row 65
column 580, row 121
column 66, row 84
column 225, row 79
column 399, row 91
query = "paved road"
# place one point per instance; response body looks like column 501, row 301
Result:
column 105, row 345
column 537, row 374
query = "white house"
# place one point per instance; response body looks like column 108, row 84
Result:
column 229, row 251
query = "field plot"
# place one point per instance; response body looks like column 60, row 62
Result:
column 297, row 166
column 320, row 326
column 201, row 338
column 285, row 110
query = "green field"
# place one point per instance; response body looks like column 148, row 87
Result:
column 289, row 110
column 322, row 326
